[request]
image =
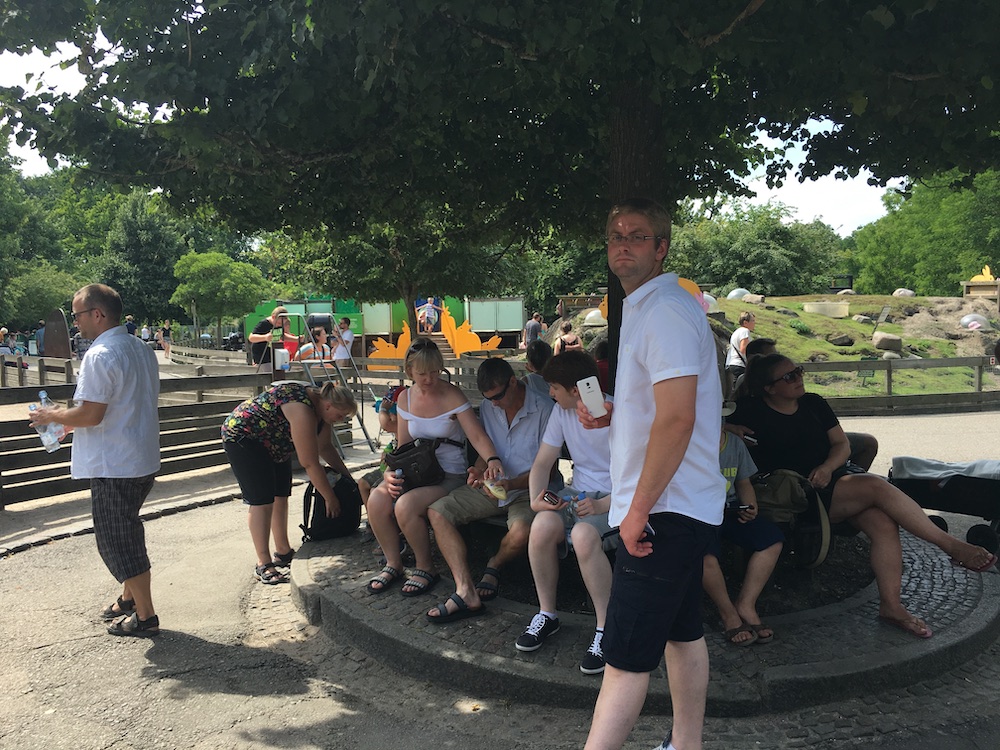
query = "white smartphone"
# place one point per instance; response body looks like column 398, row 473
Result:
column 592, row 396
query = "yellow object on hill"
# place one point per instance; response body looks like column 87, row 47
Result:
column 984, row 276
column 460, row 338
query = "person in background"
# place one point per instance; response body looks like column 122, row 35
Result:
column 116, row 445
column 582, row 525
column 166, row 338
column 130, row 325
column 388, row 421
column 796, row 430
column 864, row 446
column 318, row 349
column 532, row 330
column 260, row 338
column 567, row 341
column 536, row 356
column 260, row 436
column 40, row 338
column 759, row 537
column 601, row 355
column 144, row 333
column 736, row 354
column 344, row 339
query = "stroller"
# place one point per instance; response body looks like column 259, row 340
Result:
column 971, row 488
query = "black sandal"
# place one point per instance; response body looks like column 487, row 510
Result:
column 284, row 560
column 385, row 578
column 492, row 590
column 135, row 627
column 125, row 608
column 268, row 573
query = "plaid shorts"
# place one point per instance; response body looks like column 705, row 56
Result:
column 121, row 540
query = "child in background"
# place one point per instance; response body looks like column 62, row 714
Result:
column 741, row 526
column 387, row 422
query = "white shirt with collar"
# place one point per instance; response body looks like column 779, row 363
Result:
column 122, row 372
column 665, row 335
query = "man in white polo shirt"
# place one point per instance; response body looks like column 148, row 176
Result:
column 667, row 491
column 116, row 445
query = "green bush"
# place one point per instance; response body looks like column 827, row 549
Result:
column 801, row 328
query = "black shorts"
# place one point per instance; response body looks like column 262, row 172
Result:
column 260, row 477
column 826, row 494
column 657, row 598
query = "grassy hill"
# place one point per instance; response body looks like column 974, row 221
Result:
column 929, row 327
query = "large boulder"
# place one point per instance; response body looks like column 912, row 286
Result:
column 901, row 292
column 754, row 299
column 840, row 339
column 847, row 291
column 891, row 355
column 887, row 341
column 859, row 318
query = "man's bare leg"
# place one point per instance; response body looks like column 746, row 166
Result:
column 687, row 670
column 618, row 705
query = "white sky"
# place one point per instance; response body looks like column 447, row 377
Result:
column 843, row 204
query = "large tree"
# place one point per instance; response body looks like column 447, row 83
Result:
column 212, row 286
column 343, row 111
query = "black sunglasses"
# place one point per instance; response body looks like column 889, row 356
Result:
column 420, row 345
column 498, row 396
column 791, row 376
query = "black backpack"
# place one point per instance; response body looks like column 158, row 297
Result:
column 317, row 525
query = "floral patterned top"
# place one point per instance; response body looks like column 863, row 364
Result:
column 261, row 419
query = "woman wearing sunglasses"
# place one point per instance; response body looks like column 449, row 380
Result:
column 430, row 408
column 792, row 429
column 318, row 349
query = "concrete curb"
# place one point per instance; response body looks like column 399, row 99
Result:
column 820, row 655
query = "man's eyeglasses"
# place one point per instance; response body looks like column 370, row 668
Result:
column 791, row 376
column 498, row 396
column 74, row 316
column 629, row 239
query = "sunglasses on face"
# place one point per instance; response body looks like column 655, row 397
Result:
column 791, row 376
column 498, row 396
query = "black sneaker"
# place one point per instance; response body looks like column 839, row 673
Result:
column 593, row 660
column 534, row 636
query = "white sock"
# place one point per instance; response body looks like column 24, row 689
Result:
column 550, row 615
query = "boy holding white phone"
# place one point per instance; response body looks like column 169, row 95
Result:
column 559, row 524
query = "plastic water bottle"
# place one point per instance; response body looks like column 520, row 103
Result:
column 49, row 439
column 47, row 403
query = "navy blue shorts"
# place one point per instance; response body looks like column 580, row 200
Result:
column 657, row 598
column 753, row 536
column 261, row 479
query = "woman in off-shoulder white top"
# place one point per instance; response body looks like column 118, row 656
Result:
column 429, row 408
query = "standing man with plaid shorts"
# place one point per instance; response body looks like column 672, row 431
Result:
column 116, row 445
column 667, row 493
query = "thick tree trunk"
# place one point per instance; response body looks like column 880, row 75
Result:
column 636, row 172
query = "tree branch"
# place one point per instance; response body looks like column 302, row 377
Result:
column 493, row 40
column 708, row 41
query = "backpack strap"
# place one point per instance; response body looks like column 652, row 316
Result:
column 307, row 499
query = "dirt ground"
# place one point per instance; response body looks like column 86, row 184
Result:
column 938, row 317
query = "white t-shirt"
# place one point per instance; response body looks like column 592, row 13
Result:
column 343, row 351
column 733, row 356
column 122, row 372
column 590, row 449
column 666, row 335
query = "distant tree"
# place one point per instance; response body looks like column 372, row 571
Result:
column 215, row 287
column 143, row 246
column 38, row 290
column 931, row 240
column 757, row 248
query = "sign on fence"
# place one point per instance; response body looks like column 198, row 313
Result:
column 865, row 374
